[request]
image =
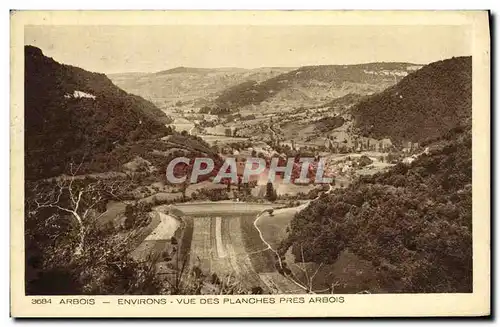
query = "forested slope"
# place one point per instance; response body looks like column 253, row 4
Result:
column 424, row 104
column 72, row 115
column 324, row 76
column 413, row 223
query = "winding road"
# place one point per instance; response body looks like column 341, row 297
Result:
column 269, row 246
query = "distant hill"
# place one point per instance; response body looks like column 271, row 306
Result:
column 73, row 115
column 316, row 84
column 187, row 85
column 188, row 70
column 424, row 104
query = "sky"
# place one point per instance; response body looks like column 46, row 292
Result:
column 120, row 49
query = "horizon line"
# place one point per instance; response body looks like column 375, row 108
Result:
column 247, row 68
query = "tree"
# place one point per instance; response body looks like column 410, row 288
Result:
column 246, row 189
column 184, row 187
column 270, row 192
column 83, row 201
column 70, row 251
column 308, row 273
column 239, row 183
column 364, row 161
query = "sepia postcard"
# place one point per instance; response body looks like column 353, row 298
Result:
column 250, row 163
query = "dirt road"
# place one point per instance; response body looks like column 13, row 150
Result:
column 222, row 207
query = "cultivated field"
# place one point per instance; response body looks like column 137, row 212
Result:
column 217, row 247
column 226, row 242
column 222, row 238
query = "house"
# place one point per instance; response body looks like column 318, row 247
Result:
column 409, row 160
column 230, row 131
column 410, row 147
column 385, row 144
